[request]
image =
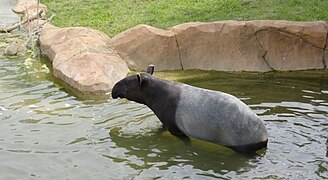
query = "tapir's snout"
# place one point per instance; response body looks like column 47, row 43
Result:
column 116, row 91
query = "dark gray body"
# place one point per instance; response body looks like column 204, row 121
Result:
column 190, row 111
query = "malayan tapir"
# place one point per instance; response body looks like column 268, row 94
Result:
column 186, row 110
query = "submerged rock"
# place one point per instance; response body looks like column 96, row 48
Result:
column 14, row 48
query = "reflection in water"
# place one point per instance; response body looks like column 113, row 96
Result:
column 202, row 157
column 46, row 132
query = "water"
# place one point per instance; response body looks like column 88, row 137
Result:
column 7, row 17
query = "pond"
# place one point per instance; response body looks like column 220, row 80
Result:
column 47, row 133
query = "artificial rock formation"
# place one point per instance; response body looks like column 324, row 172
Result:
column 82, row 59
column 227, row 46
column 144, row 45
column 224, row 46
column 292, row 45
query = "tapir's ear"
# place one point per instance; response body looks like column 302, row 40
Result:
column 150, row 69
column 139, row 79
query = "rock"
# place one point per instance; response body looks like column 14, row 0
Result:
column 78, row 45
column 14, row 48
column 31, row 12
column 22, row 5
column 292, row 45
column 144, row 45
column 82, row 59
column 91, row 73
column 260, row 46
column 34, row 9
column 11, row 49
column 54, row 36
column 223, row 46
column 252, row 45
column 48, row 37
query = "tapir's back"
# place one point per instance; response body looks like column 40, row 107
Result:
column 218, row 117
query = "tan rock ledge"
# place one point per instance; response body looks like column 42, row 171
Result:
column 260, row 46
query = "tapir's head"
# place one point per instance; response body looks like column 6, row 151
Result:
column 132, row 87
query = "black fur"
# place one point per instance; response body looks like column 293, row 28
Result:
column 250, row 147
column 160, row 96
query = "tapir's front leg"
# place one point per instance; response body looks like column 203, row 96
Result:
column 176, row 132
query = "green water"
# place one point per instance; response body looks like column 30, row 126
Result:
column 47, row 133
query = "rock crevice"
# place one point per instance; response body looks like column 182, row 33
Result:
column 176, row 39
column 264, row 53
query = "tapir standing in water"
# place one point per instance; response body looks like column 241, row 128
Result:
column 195, row 112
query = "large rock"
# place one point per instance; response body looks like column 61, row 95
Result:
column 252, row 45
column 82, row 59
column 51, row 37
column 223, row 46
column 144, row 45
column 292, row 45
column 91, row 73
